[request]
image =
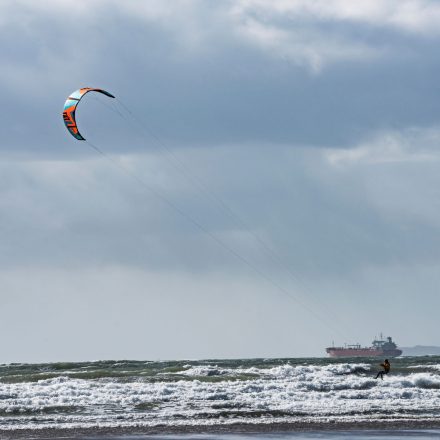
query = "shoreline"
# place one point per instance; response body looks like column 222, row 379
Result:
column 239, row 428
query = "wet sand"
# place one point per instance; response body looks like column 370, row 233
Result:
column 419, row 429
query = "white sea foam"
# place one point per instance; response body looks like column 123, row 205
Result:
column 279, row 393
column 434, row 367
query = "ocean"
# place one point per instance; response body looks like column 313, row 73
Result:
column 288, row 398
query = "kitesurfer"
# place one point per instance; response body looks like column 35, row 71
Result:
column 386, row 369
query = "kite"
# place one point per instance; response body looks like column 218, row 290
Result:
column 70, row 108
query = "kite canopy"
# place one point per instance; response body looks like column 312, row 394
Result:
column 70, row 108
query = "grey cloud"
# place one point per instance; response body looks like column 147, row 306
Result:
column 216, row 90
column 301, row 155
column 321, row 218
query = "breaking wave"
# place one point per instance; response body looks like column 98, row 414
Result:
column 132, row 393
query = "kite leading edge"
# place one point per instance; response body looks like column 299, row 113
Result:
column 70, row 108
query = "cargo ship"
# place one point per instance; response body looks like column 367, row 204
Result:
column 381, row 347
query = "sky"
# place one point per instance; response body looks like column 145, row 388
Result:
column 268, row 182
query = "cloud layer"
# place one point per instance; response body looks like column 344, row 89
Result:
column 263, row 160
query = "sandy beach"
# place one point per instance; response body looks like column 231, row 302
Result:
column 421, row 429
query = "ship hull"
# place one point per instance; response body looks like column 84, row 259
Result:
column 339, row 352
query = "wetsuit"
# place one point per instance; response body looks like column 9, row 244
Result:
column 386, row 369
